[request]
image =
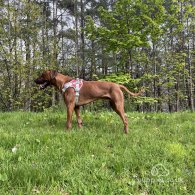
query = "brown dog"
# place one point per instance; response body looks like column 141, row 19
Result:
column 89, row 92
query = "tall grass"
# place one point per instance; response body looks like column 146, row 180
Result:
column 38, row 157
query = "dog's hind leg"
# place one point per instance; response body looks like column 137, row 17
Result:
column 78, row 115
column 118, row 108
column 117, row 104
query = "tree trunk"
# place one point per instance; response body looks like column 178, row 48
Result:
column 82, row 40
column 154, row 73
column 93, row 64
column 76, row 37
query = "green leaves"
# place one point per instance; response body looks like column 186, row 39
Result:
column 117, row 78
column 128, row 25
column 3, row 177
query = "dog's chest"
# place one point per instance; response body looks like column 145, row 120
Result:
column 76, row 84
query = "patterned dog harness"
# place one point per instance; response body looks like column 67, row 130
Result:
column 76, row 85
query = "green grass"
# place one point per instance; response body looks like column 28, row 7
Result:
column 156, row 157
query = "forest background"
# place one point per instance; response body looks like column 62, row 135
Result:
column 137, row 43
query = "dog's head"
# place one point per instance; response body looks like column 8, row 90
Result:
column 46, row 79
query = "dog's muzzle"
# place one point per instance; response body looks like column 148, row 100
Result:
column 42, row 83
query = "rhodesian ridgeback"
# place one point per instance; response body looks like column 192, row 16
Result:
column 89, row 92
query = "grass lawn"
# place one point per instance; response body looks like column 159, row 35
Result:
column 38, row 157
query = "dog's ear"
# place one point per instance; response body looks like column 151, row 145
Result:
column 53, row 73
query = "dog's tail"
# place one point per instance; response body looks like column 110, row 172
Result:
column 131, row 93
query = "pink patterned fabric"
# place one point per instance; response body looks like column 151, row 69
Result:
column 76, row 84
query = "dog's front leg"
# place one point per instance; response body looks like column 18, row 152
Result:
column 78, row 115
column 69, row 98
column 70, row 109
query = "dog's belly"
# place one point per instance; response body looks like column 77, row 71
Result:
column 83, row 101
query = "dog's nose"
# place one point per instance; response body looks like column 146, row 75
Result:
column 37, row 81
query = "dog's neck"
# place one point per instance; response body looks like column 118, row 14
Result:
column 61, row 80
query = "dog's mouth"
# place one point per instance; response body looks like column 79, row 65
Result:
column 44, row 85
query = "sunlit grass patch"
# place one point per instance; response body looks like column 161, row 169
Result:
column 38, row 156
